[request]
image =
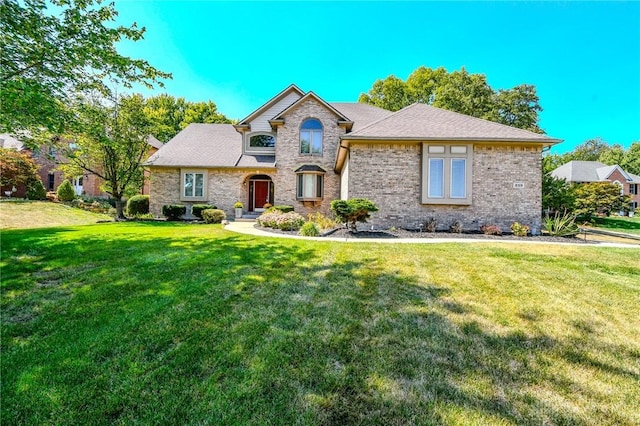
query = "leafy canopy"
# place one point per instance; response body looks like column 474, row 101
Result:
column 461, row 92
column 598, row 150
column 16, row 168
column 53, row 50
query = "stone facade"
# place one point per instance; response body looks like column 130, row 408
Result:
column 390, row 175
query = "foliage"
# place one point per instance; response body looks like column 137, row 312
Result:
column 353, row 210
column 197, row 209
column 430, row 225
column 557, row 194
column 36, row 191
column 309, row 229
column 598, row 150
column 110, row 141
column 461, row 92
column 519, row 230
column 213, row 215
column 491, row 230
column 51, row 51
column 599, row 198
column 456, row 227
column 280, row 208
column 66, row 192
column 94, row 206
column 561, row 225
column 323, row 222
column 173, row 211
column 238, row 205
column 290, row 221
column 138, row 204
column 16, row 168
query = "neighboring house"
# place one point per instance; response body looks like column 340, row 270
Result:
column 418, row 163
column 595, row 171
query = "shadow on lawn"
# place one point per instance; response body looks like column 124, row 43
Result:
column 222, row 329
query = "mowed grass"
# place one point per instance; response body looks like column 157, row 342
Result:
column 38, row 214
column 161, row 323
column 630, row 225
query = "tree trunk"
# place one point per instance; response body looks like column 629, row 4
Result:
column 119, row 209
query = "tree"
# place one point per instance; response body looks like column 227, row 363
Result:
column 631, row 160
column 16, row 168
column 53, row 50
column 352, row 211
column 590, row 150
column 557, row 194
column 458, row 91
column 110, row 142
column 599, row 198
column 612, row 155
column 66, row 192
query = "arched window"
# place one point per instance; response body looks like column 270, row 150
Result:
column 311, row 137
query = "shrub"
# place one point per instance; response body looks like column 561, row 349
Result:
column 352, row 211
column 491, row 230
column 238, row 205
column 138, row 204
column 456, row 227
column 144, row 216
column 66, row 191
column 290, row 221
column 561, row 225
column 36, row 191
column 283, row 209
column 519, row 230
column 213, row 215
column 323, row 222
column 309, row 229
column 173, row 211
column 52, row 196
column 430, row 225
column 267, row 206
column 197, row 209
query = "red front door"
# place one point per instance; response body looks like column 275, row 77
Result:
column 260, row 193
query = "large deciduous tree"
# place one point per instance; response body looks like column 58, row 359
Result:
column 16, row 169
column 458, row 91
column 599, row 198
column 52, row 50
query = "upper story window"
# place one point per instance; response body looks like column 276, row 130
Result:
column 260, row 143
column 311, row 137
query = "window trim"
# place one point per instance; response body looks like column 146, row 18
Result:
column 447, row 153
column 319, row 194
column 257, row 149
column 311, row 133
column 183, row 174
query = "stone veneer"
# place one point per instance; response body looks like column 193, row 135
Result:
column 390, row 175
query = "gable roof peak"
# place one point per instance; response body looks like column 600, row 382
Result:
column 291, row 88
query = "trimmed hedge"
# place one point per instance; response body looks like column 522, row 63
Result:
column 137, row 205
column 173, row 211
column 283, row 209
column 197, row 209
column 36, row 191
column 213, row 215
column 66, row 191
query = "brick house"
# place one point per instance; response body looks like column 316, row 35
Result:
column 594, row 171
column 417, row 163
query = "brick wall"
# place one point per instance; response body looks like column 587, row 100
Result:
column 390, row 175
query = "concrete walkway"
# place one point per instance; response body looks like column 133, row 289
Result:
column 249, row 229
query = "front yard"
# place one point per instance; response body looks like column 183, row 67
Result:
column 164, row 323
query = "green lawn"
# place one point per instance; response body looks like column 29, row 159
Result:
column 162, row 323
column 629, row 225
column 37, row 214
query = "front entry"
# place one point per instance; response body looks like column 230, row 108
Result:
column 260, row 192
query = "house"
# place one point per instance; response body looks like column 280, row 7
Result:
column 595, row 171
column 418, row 163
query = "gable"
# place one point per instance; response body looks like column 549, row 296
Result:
column 258, row 120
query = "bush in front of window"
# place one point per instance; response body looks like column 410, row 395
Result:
column 352, row 211
column 173, row 211
column 66, row 191
column 519, row 230
column 197, row 209
column 491, row 230
column 309, row 229
column 213, row 215
column 282, row 209
column 137, row 205
column 290, row 221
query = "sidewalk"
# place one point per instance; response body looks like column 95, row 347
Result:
column 247, row 228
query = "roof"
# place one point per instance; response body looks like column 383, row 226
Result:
column 425, row 122
column 151, row 140
column 590, row 171
column 201, row 145
column 318, row 99
column 360, row 113
column 9, row 142
column 266, row 105
column 310, row 168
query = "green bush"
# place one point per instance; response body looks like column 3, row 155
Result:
column 309, row 229
column 283, row 209
column 137, row 205
column 519, row 230
column 36, row 191
column 197, row 209
column 173, row 211
column 352, row 211
column 561, row 225
column 66, row 191
column 213, row 215
column 491, row 230
column 290, row 221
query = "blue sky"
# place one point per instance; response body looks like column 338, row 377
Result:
column 583, row 58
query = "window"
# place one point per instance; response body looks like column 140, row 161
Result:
column 311, row 137
column 309, row 183
column 52, row 182
column 262, row 141
column 446, row 174
column 633, row 189
column 194, row 185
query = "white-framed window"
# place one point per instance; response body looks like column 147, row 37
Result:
column 260, row 143
column 633, row 189
column 446, row 174
column 311, row 137
column 194, row 185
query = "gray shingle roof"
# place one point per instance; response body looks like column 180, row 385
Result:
column 9, row 142
column 588, row 171
column 151, row 140
column 361, row 114
column 201, row 145
column 420, row 121
column 257, row 161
